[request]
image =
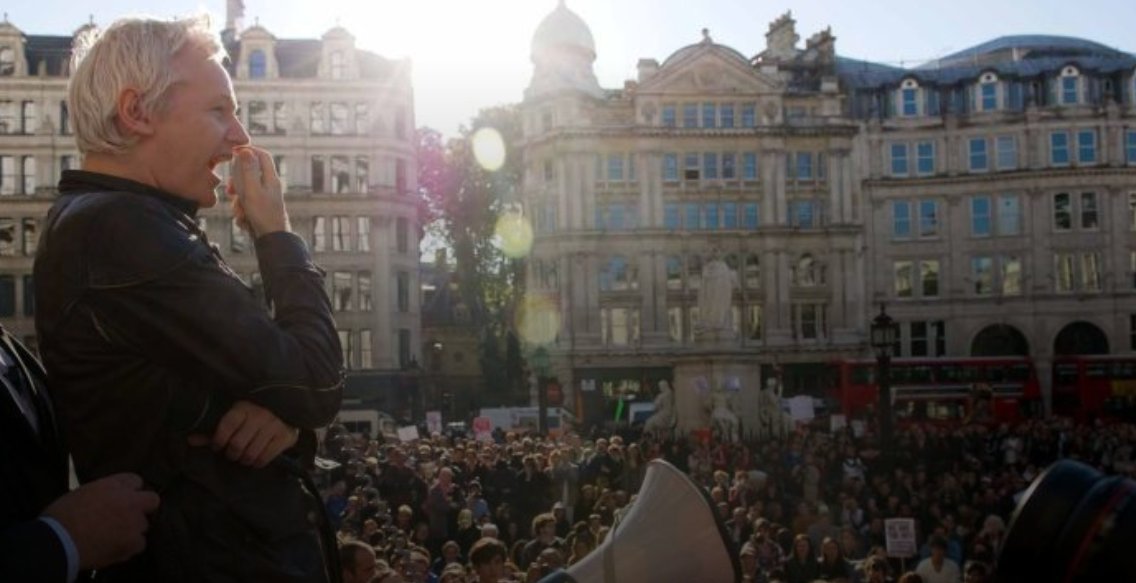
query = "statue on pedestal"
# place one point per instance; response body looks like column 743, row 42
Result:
column 661, row 423
column 723, row 420
column 774, row 421
column 716, row 299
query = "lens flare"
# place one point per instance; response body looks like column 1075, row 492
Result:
column 514, row 235
column 488, row 149
column 537, row 319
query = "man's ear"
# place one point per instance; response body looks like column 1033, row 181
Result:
column 130, row 117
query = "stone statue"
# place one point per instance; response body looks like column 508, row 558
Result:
column 662, row 422
column 773, row 421
column 716, row 298
column 722, row 417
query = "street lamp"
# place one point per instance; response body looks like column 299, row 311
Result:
column 885, row 330
column 538, row 360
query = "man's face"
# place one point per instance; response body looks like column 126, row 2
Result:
column 196, row 130
column 491, row 571
column 364, row 568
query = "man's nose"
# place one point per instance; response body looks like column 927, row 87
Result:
column 238, row 135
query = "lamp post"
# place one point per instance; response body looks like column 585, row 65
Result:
column 538, row 360
column 885, row 330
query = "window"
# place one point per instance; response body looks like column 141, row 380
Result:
column 1069, row 90
column 8, row 121
column 928, row 218
column 691, row 167
column 926, row 158
column 258, row 65
column 1132, row 211
column 318, row 174
column 749, row 115
column 693, row 216
column 64, row 119
column 901, row 219
column 927, row 338
column 1077, row 271
column 403, row 347
column 28, row 167
column 340, row 234
column 929, row 277
column 693, row 272
column 7, row 237
column 319, row 234
column 1064, row 271
column 670, row 167
column 804, row 166
column 362, row 118
column 1009, row 215
column 30, row 114
column 1011, row 276
column 674, row 324
column 1089, row 215
column 615, row 167
column 982, row 275
column 257, row 117
column 671, row 219
column 366, row 360
column 980, row 216
column 1059, row 149
column 29, row 295
column 280, row 117
column 749, row 166
column 1087, row 147
column 730, row 215
column 803, row 214
column 339, row 124
column 317, row 118
column 1007, row 152
column 710, row 212
column 401, row 235
column 978, row 160
column 710, row 165
column 400, row 177
column 7, row 62
column 340, row 174
column 1130, row 146
column 729, row 166
column 690, row 115
column 341, row 291
column 337, row 67
column 910, row 102
column 364, row 279
column 403, row 286
column 989, row 95
column 726, row 111
column 674, row 272
column 31, row 235
column 904, row 276
column 709, row 115
column 754, row 321
column 238, row 238
column 750, row 218
column 7, row 295
column 362, row 174
column 669, row 118
column 899, row 159
column 620, row 326
column 363, row 233
column 1090, row 272
column 809, row 321
column 752, row 273
column 1062, row 212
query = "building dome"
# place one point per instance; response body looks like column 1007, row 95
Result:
column 563, row 29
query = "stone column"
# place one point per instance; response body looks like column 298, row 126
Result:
column 382, row 289
column 775, row 267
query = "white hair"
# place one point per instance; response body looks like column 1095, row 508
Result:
column 131, row 53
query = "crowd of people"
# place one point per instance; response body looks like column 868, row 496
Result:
column 811, row 507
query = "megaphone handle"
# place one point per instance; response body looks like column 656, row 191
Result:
column 558, row 576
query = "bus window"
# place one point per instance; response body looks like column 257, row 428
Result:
column 1065, row 374
column 951, row 373
column 921, row 374
column 862, row 375
column 1096, row 370
column 943, row 410
column 1019, row 372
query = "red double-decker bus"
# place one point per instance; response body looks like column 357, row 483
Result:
column 943, row 390
column 1089, row 387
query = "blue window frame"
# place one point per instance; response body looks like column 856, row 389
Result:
column 1087, row 147
column 616, row 218
column 750, row 216
column 691, row 167
column 989, row 96
column 690, row 115
column 899, row 159
column 670, row 167
column 900, row 219
column 749, row 165
column 1130, row 146
column 258, row 65
column 1059, row 149
column 710, row 165
column 980, row 216
column 693, row 216
column 926, row 158
column 670, row 117
column 1007, row 152
column 615, row 167
column 726, row 113
column 671, row 219
column 710, row 214
column 802, row 214
column 928, row 218
column 978, row 159
column 804, row 166
column 729, row 215
column 1069, row 90
column 600, row 217
column 709, row 115
column 1009, row 215
column 729, row 166
column 910, row 102
column 749, row 115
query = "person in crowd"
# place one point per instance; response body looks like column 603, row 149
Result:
column 487, row 558
column 161, row 361
column 450, row 555
column 938, row 568
column 801, row 565
column 357, row 561
column 544, row 537
column 453, row 573
column 833, row 565
column 439, row 506
column 976, row 572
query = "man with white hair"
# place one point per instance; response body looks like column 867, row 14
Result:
column 163, row 362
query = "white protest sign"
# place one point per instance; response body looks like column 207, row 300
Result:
column 900, row 537
column 483, row 429
column 408, row 433
column 434, row 422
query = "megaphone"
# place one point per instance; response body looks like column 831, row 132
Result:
column 670, row 533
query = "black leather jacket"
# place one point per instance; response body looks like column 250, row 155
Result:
column 148, row 336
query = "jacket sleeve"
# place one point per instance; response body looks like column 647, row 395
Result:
column 156, row 289
column 30, row 552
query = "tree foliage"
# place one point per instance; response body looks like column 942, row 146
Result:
column 461, row 204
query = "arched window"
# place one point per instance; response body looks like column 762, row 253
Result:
column 337, row 68
column 7, row 61
column 988, row 92
column 258, row 65
column 1069, row 86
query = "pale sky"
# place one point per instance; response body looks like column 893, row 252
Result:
column 469, row 54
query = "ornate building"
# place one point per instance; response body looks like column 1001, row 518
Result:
column 340, row 123
column 985, row 197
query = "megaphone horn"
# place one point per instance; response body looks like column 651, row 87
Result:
column 670, row 533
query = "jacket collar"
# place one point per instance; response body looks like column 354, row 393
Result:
column 82, row 181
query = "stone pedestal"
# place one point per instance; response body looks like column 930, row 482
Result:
column 696, row 376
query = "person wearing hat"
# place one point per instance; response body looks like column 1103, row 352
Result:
column 748, row 557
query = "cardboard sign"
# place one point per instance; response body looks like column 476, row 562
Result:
column 482, row 429
column 408, row 433
column 837, row 422
column 434, row 422
column 900, row 537
column 801, row 408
